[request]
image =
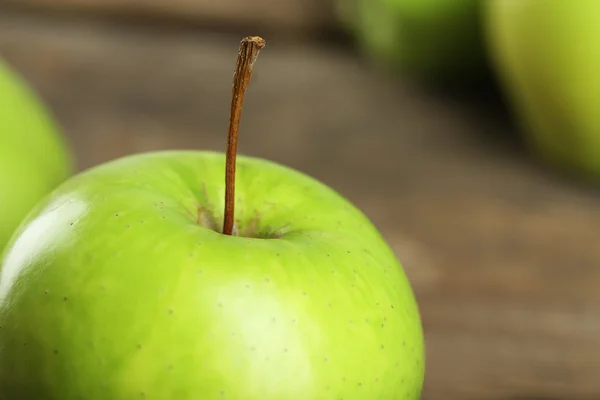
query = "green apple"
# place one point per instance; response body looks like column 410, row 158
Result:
column 547, row 57
column 34, row 158
column 428, row 37
column 121, row 285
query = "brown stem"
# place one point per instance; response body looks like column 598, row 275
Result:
column 249, row 49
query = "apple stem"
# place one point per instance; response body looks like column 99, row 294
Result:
column 250, row 47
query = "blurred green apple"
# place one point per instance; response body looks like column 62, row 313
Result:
column 434, row 38
column 121, row 285
column 33, row 156
column 547, row 56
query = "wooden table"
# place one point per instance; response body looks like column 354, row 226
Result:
column 502, row 253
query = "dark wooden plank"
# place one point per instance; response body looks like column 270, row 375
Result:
column 283, row 16
column 502, row 254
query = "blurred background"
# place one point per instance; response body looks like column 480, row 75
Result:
column 452, row 127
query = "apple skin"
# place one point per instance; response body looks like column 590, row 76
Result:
column 428, row 38
column 117, row 288
column 34, row 158
column 547, row 58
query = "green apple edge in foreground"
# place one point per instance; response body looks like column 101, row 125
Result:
column 34, row 158
column 121, row 286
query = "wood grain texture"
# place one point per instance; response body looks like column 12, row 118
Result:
column 502, row 254
column 281, row 15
